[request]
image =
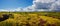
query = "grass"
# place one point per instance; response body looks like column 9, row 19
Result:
column 32, row 19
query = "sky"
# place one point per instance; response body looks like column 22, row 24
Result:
column 14, row 3
column 29, row 5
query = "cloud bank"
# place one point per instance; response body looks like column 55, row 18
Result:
column 45, row 5
column 41, row 5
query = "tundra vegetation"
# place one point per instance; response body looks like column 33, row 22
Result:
column 29, row 18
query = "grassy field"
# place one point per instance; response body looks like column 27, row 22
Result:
column 31, row 19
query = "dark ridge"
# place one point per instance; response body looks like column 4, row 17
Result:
column 5, row 17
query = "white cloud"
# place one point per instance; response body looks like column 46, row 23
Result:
column 40, row 5
column 46, row 5
column 56, row 5
column 11, row 9
column 44, row 1
column 43, row 4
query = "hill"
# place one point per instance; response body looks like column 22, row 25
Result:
column 31, row 19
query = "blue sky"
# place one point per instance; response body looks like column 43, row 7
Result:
column 29, row 5
column 14, row 3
